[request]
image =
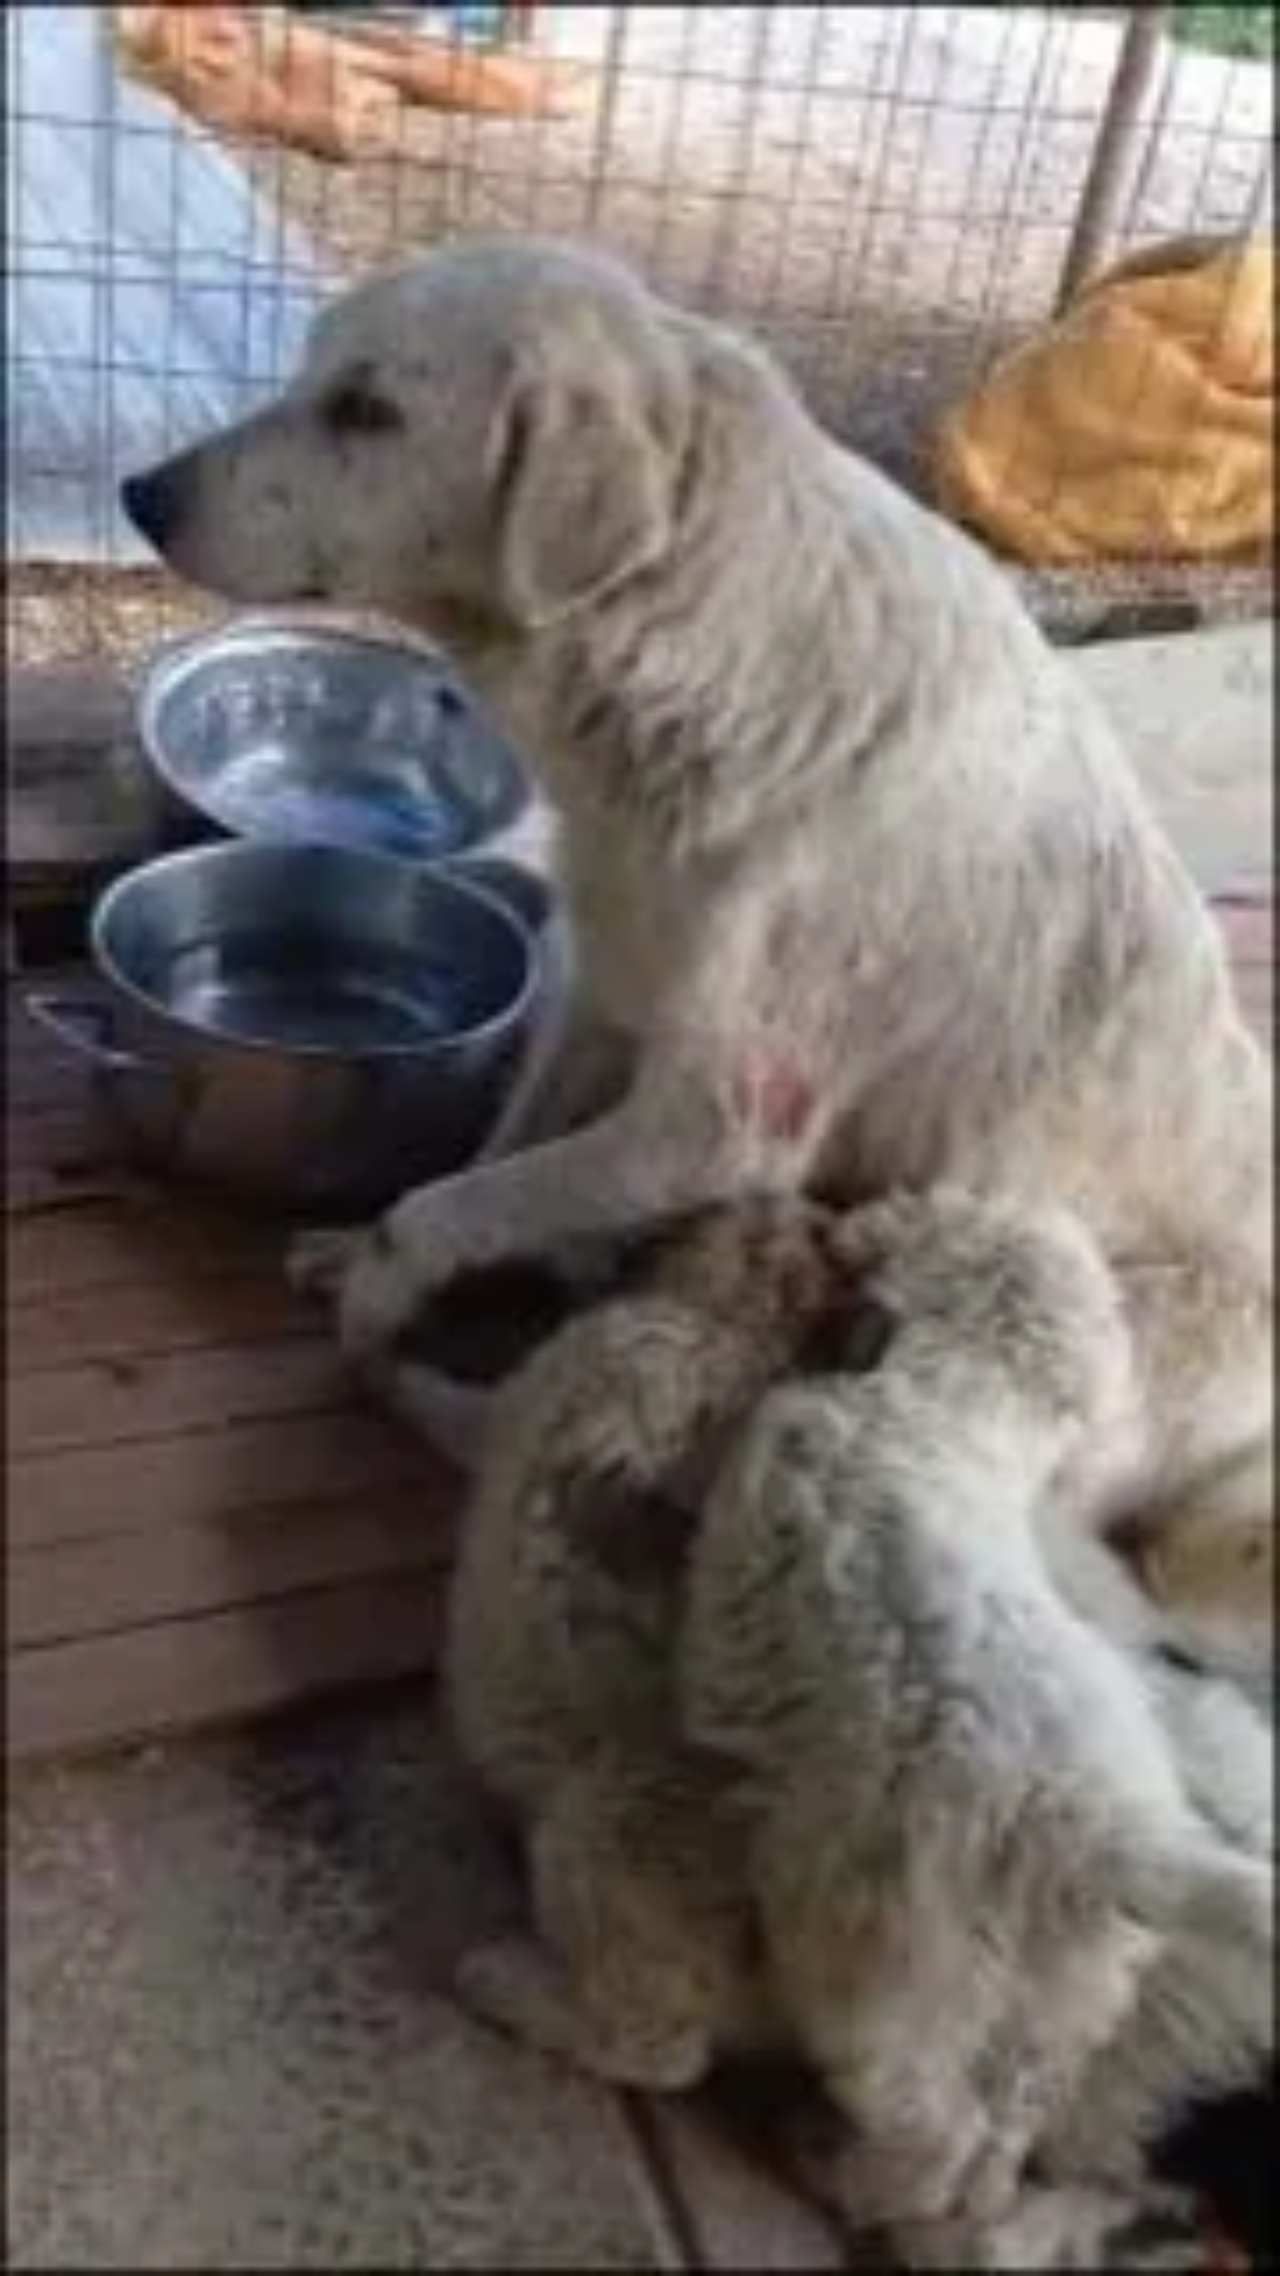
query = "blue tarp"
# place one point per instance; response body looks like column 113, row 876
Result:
column 151, row 291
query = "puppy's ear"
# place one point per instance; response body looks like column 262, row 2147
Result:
column 584, row 487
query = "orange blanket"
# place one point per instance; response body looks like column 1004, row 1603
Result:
column 253, row 73
column 263, row 80
column 1138, row 427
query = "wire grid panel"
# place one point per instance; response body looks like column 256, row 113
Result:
column 854, row 183
column 885, row 193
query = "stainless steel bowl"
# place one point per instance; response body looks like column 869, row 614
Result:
column 311, row 1025
column 306, row 736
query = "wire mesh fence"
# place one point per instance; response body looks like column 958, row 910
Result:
column 888, row 195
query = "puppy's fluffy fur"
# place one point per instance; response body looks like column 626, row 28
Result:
column 561, row 1651
column 970, row 1837
column 853, row 860
column 649, row 1856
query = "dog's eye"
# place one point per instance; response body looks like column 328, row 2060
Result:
column 354, row 407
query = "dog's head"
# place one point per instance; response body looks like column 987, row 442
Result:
column 495, row 434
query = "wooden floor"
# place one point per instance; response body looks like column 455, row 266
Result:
column 151, row 293
column 202, row 1523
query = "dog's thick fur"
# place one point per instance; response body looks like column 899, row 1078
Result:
column 852, row 857
column 970, row 1835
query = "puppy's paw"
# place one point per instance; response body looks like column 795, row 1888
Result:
column 499, row 1982
column 514, row 1986
column 1168, row 2231
column 1071, row 2227
column 517, row 1987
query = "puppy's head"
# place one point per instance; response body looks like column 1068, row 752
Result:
column 1019, row 1299
column 762, row 1264
column 492, row 436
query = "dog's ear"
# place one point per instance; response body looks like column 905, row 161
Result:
column 584, row 487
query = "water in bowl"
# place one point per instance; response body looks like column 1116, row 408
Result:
column 312, row 995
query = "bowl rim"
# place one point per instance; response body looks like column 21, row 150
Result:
column 427, row 877
column 174, row 660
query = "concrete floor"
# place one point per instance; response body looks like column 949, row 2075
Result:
column 230, row 2038
column 1196, row 713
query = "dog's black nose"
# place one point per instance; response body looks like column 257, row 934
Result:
column 154, row 504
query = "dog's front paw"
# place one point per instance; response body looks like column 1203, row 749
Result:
column 318, row 1261
column 368, row 1277
column 380, row 1297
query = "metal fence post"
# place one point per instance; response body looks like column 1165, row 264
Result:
column 1114, row 152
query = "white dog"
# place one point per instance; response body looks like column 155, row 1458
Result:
column 852, row 858
column 971, row 1839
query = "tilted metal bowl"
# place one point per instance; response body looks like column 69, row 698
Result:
column 303, row 735
column 311, row 1025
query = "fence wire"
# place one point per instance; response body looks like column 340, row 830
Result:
column 885, row 194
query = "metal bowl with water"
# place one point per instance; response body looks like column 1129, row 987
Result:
column 313, row 1025
column 303, row 735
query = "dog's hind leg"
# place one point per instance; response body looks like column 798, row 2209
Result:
column 1198, row 1526
column 1208, row 1563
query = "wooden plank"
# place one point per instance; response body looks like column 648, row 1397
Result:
column 80, row 797
column 105, row 1402
column 36, row 1078
column 52, row 1188
column 60, row 1140
column 207, row 1477
column 170, row 1677
column 119, row 1242
column 149, row 1317
column 79, row 1589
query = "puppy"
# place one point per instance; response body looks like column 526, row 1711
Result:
column 970, row 1838
column 561, row 1643
column 855, row 867
column 1150, row 2141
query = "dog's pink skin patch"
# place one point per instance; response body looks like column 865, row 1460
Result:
column 774, row 1093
